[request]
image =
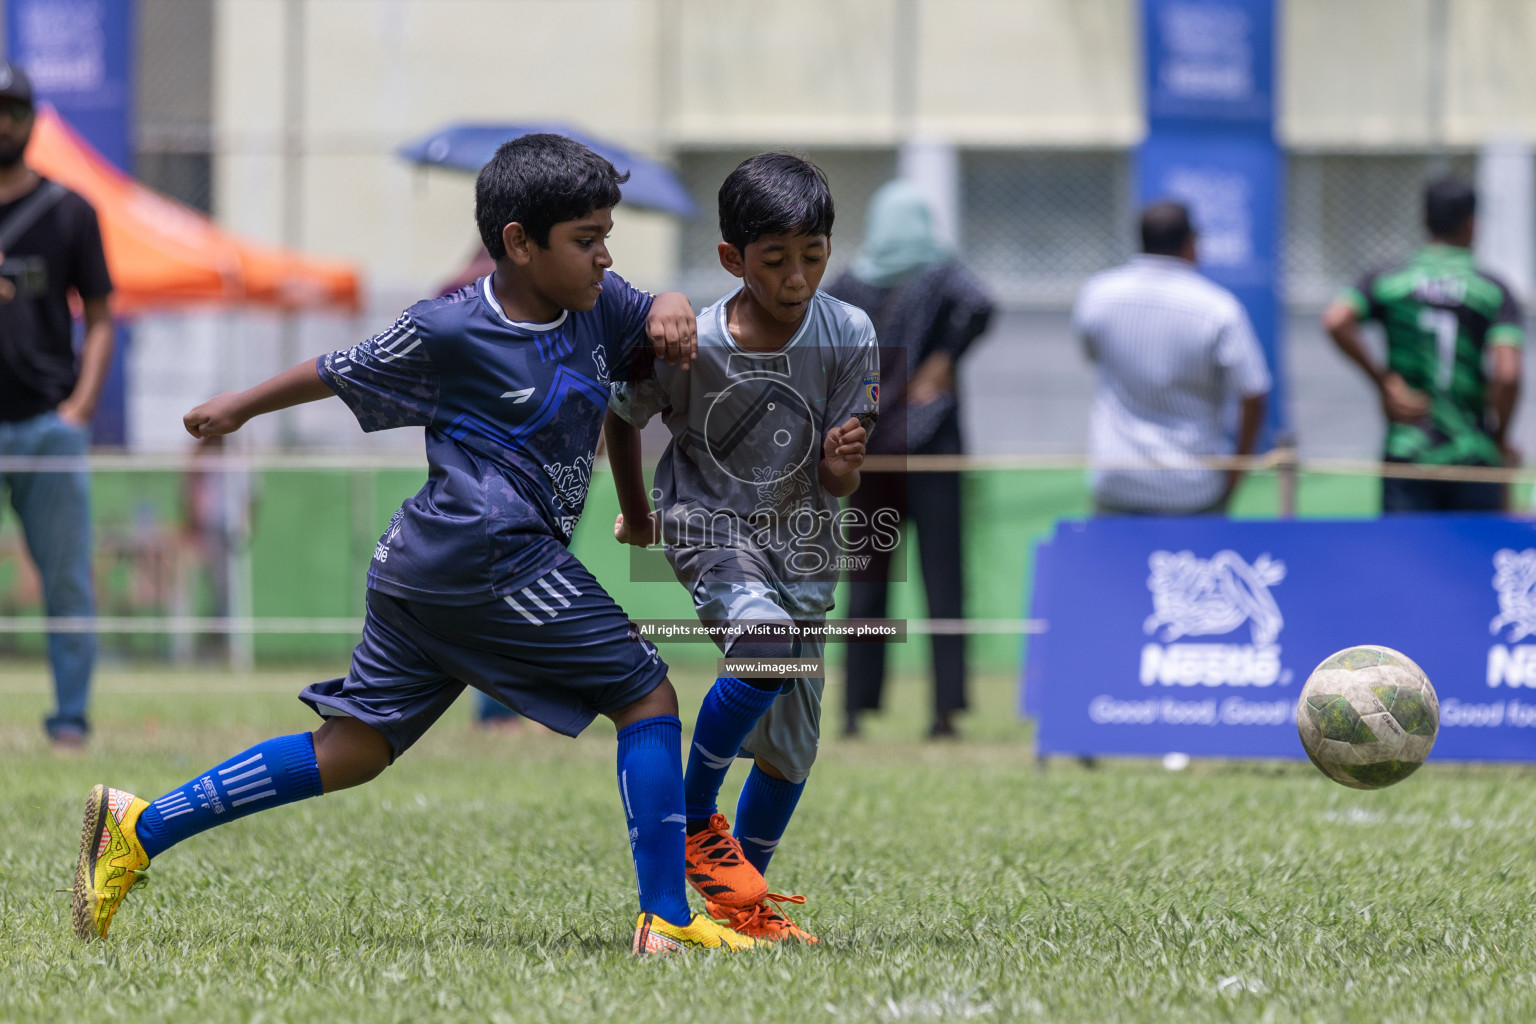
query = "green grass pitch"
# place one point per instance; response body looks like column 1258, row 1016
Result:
column 486, row 878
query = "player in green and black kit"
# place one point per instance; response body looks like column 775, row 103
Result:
column 1454, row 338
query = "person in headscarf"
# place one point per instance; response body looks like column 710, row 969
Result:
column 927, row 310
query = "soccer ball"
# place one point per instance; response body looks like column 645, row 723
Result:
column 1368, row 716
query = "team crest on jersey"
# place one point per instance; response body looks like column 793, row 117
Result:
column 872, row 388
column 570, row 482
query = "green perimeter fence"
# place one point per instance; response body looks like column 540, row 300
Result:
column 312, row 534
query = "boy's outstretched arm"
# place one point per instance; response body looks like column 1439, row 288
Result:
column 673, row 331
column 636, row 524
column 842, row 453
column 226, row 413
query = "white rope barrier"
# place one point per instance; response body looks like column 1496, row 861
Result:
column 198, row 624
column 175, row 462
column 195, row 624
column 1284, row 461
column 1277, row 460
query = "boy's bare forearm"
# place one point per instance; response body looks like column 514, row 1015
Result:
column 230, row 411
column 842, row 453
column 624, row 459
column 837, row 486
column 294, row 386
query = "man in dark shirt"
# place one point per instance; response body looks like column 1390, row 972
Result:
column 50, row 253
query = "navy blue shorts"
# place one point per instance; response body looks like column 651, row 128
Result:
column 560, row 652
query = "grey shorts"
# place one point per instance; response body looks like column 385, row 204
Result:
column 789, row 732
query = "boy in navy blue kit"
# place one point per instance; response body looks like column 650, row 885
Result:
column 472, row 583
column 768, row 432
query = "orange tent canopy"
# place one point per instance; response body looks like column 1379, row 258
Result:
column 162, row 253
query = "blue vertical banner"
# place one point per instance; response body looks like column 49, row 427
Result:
column 79, row 55
column 1210, row 95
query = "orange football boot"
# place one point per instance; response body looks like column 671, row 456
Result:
column 718, row 868
column 763, row 921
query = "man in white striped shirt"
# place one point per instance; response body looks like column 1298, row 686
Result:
column 1174, row 351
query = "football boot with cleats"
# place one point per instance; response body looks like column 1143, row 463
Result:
column 655, row 935
column 719, row 870
column 111, row 862
column 764, row 921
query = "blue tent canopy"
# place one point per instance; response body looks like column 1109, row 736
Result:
column 468, row 146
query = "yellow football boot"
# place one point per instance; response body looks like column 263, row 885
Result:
column 654, row 935
column 111, row 859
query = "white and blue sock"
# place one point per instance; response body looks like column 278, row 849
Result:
column 730, row 710
column 651, row 786
column 268, row 775
column 762, row 815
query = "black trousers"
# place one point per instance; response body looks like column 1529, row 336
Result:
column 1404, row 495
column 930, row 504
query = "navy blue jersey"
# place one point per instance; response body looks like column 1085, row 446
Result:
column 513, row 412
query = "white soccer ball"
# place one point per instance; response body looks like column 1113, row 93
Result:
column 1368, row 716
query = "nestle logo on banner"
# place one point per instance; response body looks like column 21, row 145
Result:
column 1514, row 580
column 1213, row 597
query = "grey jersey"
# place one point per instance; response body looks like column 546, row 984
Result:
column 738, row 482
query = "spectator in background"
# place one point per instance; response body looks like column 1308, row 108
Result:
column 218, row 509
column 1452, row 370
column 927, row 310
column 50, row 244
column 1173, row 350
column 492, row 714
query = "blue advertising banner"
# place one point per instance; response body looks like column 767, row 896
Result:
column 1210, row 94
column 1232, row 185
column 79, row 55
column 1210, row 61
column 1195, row 635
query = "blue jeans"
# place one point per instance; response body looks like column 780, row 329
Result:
column 55, row 512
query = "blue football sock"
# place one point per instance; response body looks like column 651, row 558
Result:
column 651, row 785
column 731, row 709
column 268, row 775
column 763, row 814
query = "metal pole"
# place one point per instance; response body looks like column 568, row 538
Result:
column 235, row 522
column 904, row 69
column 1287, row 463
column 1435, row 84
column 294, row 84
